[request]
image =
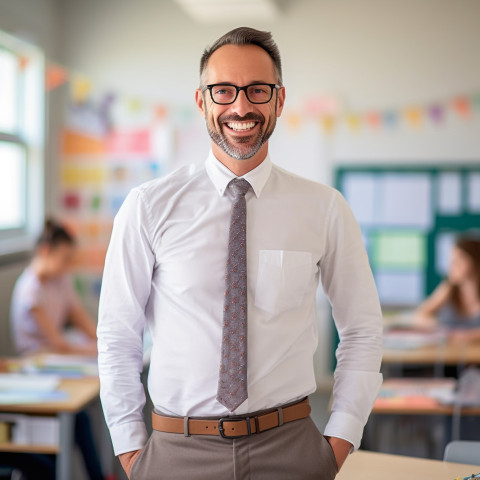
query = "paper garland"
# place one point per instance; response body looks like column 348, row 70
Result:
column 464, row 107
column 326, row 109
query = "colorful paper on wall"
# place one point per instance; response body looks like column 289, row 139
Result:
column 449, row 191
column 407, row 201
column 400, row 288
column 474, row 192
column 80, row 88
column 399, row 250
column 78, row 176
column 74, row 143
column 360, row 190
column 129, row 143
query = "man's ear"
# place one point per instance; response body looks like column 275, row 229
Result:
column 280, row 101
column 199, row 100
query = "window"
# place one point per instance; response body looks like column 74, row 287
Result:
column 21, row 143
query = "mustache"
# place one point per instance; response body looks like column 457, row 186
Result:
column 252, row 117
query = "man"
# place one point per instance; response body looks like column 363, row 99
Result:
column 200, row 255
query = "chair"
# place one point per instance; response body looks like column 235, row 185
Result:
column 461, row 451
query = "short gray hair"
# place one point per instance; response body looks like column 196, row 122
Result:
column 245, row 36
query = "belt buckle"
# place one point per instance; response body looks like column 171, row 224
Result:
column 228, row 419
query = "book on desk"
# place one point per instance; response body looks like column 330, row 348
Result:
column 35, row 381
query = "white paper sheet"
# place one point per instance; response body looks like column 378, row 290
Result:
column 449, row 191
column 361, row 192
column 474, row 192
column 406, row 200
column 402, row 288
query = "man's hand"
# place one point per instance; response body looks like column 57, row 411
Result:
column 127, row 459
column 341, row 448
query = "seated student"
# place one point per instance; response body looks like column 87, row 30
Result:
column 44, row 300
column 455, row 303
column 43, row 303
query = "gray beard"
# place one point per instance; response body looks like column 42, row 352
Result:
column 235, row 152
column 219, row 139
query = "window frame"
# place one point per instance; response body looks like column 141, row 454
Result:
column 29, row 135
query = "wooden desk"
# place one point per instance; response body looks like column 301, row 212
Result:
column 446, row 354
column 80, row 393
column 413, row 396
column 363, row 465
column 404, row 396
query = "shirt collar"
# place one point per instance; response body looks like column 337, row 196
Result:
column 221, row 176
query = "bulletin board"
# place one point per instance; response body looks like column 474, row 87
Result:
column 410, row 217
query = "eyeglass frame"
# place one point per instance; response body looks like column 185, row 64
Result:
column 273, row 86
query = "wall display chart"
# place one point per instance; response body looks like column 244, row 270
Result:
column 410, row 217
column 108, row 146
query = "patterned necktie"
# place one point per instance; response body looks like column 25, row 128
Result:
column 232, row 384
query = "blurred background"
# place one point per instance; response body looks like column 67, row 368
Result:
column 382, row 102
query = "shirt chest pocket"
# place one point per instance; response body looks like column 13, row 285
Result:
column 282, row 279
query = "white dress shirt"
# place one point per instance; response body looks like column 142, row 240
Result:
column 165, row 269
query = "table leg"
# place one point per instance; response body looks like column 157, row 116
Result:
column 64, row 457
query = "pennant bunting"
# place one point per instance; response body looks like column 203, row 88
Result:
column 324, row 106
column 325, row 109
column 390, row 118
column 161, row 112
column 354, row 122
column 462, row 106
column 373, row 119
column 80, row 89
column 134, row 105
column 23, row 62
column 413, row 116
column 293, row 121
column 328, row 123
column 55, row 76
column 436, row 113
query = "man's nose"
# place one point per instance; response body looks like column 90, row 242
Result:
column 241, row 106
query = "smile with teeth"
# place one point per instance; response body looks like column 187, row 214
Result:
column 241, row 126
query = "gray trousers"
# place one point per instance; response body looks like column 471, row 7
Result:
column 294, row 451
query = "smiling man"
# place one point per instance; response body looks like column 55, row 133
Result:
column 222, row 264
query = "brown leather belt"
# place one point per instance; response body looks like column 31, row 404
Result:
column 232, row 427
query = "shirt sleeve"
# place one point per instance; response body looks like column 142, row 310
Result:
column 349, row 285
column 124, row 295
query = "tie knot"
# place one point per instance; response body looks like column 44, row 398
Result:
column 239, row 187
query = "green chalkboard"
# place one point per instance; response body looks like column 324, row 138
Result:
column 410, row 216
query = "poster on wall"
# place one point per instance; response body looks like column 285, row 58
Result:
column 109, row 145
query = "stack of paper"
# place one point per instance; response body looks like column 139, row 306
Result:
column 18, row 388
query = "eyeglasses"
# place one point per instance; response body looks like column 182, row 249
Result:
column 226, row 93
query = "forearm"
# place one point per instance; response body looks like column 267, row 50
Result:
column 82, row 320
